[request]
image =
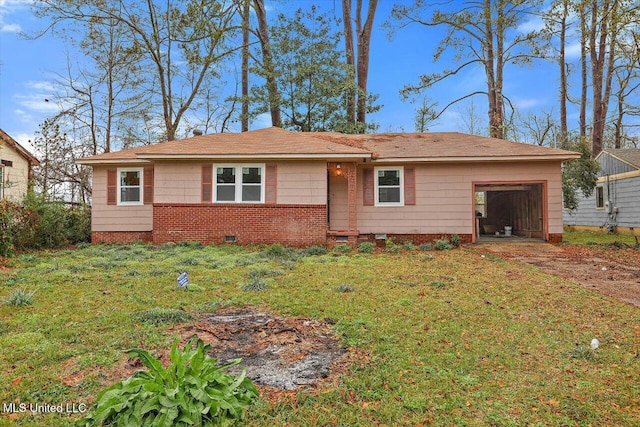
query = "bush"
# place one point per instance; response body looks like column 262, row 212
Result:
column 20, row 298
column 342, row 249
column 455, row 241
column 315, row 250
column 192, row 390
column 443, row 244
column 366, row 247
column 255, row 285
column 39, row 224
column 391, row 247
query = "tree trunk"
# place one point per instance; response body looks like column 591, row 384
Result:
column 583, row 71
column 564, row 128
column 267, row 59
column 349, row 51
column 364, row 43
column 244, row 119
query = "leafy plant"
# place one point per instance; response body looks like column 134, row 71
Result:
column 344, row 287
column 443, row 244
column 192, row 390
column 257, row 284
column 20, row 298
column 315, row 250
column 342, row 249
column 391, row 247
column 408, row 246
column 455, row 241
column 366, row 247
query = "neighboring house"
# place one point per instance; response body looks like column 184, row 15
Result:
column 16, row 165
column 615, row 202
column 299, row 189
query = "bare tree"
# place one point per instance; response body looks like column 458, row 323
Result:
column 176, row 46
column 477, row 31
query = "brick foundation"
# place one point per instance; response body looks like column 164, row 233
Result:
column 292, row 225
column 555, row 238
column 121, row 237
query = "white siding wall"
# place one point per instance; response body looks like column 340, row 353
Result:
column 302, row 183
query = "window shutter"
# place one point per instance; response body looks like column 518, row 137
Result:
column 409, row 186
column 148, row 186
column 368, row 195
column 207, row 183
column 271, row 184
column 112, row 186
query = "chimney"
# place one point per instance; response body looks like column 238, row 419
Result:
column 197, row 132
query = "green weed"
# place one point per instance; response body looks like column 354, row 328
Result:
column 193, row 390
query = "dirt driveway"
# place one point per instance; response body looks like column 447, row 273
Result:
column 613, row 270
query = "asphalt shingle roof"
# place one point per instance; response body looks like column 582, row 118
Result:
column 276, row 142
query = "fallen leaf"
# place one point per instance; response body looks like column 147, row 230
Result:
column 16, row 381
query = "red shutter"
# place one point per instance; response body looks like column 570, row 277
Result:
column 112, row 186
column 148, row 186
column 271, row 184
column 368, row 195
column 207, row 183
column 409, row 186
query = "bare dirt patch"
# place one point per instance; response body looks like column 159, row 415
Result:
column 613, row 270
column 278, row 352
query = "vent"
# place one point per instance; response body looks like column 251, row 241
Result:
column 7, row 163
column 197, row 132
column 342, row 239
column 230, row 239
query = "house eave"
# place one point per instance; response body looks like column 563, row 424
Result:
column 92, row 162
column 466, row 159
column 240, row 157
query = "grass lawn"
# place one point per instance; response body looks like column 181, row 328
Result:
column 447, row 337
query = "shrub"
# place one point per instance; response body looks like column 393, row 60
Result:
column 443, row 244
column 159, row 316
column 455, row 241
column 391, row 247
column 342, row 249
column 315, row 250
column 426, row 247
column 192, row 390
column 20, row 298
column 366, row 247
column 37, row 223
column 408, row 246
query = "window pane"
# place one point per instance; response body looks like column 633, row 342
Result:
column 599, row 197
column 389, row 195
column 250, row 193
column 226, row 175
column 226, row 193
column 388, row 177
column 251, row 175
column 130, row 194
column 130, row 178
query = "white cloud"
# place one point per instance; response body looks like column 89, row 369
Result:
column 261, row 122
column 523, row 103
column 10, row 28
column 534, row 24
column 572, row 51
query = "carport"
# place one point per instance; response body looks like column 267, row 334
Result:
column 510, row 210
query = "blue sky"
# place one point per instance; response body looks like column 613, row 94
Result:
column 29, row 68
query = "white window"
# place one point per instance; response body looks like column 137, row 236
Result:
column 239, row 184
column 389, row 185
column 481, row 204
column 1, row 183
column 130, row 186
